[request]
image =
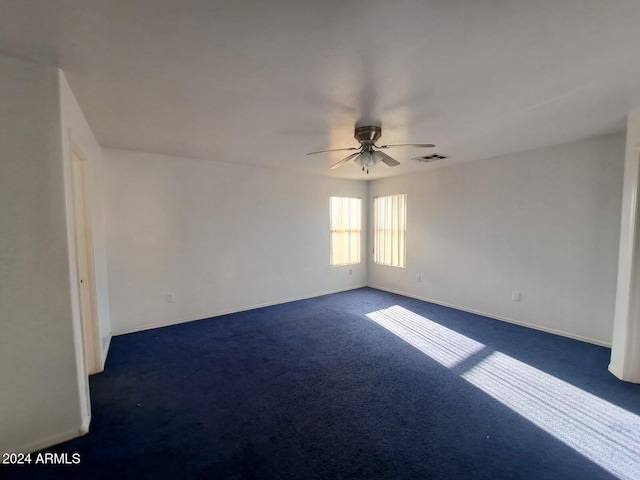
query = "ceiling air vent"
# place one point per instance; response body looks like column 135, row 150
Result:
column 430, row 158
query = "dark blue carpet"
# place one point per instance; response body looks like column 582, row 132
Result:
column 314, row 389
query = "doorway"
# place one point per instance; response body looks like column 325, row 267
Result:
column 84, row 256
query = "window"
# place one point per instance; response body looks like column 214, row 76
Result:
column 389, row 230
column 345, row 224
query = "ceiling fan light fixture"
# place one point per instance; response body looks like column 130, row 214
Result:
column 366, row 160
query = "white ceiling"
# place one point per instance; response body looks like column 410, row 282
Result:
column 262, row 83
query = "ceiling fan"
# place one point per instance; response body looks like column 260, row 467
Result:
column 366, row 156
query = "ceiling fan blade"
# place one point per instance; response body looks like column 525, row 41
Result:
column 335, row 150
column 392, row 162
column 344, row 160
column 414, row 145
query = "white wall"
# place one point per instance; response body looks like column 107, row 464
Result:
column 219, row 237
column 76, row 130
column 544, row 222
column 42, row 384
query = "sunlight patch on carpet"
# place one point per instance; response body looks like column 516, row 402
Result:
column 601, row 431
column 604, row 433
column 445, row 346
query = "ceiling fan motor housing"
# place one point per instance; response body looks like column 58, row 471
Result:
column 367, row 135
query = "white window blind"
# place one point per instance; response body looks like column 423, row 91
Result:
column 345, row 225
column 389, row 230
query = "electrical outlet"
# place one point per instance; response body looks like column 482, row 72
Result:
column 170, row 298
column 350, row 271
column 419, row 278
column 515, row 296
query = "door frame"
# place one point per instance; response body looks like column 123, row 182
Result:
column 85, row 265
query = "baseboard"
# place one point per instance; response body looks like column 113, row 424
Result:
column 81, row 430
column 228, row 312
column 615, row 371
column 497, row 317
column 623, row 376
column 84, row 428
column 106, row 343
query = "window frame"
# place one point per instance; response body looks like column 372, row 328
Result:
column 396, row 238
column 348, row 232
